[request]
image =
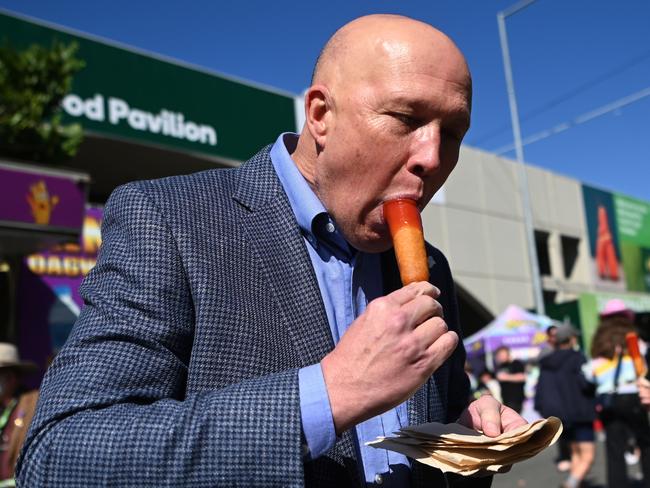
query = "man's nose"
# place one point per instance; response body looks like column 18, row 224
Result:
column 425, row 151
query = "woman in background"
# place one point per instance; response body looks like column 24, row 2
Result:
column 622, row 414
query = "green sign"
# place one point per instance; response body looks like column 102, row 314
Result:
column 633, row 217
column 619, row 239
column 125, row 94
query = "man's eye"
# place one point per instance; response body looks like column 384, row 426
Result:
column 408, row 120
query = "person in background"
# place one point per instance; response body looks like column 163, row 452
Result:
column 563, row 392
column 616, row 308
column 621, row 410
column 473, row 382
column 511, row 377
column 563, row 460
column 17, row 409
column 487, row 384
column 551, row 342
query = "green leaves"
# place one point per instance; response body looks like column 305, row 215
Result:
column 32, row 84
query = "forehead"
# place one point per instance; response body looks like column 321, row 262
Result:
column 417, row 76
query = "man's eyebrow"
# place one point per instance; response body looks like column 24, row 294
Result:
column 425, row 104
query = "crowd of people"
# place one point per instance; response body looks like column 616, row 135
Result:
column 604, row 391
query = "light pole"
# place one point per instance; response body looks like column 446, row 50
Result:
column 519, row 150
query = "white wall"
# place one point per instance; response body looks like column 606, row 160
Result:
column 478, row 224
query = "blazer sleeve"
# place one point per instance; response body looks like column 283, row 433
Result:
column 113, row 409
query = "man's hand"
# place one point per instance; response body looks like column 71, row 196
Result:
column 387, row 354
column 644, row 392
column 488, row 415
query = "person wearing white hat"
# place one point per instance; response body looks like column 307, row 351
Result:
column 16, row 411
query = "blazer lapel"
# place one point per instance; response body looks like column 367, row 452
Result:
column 274, row 233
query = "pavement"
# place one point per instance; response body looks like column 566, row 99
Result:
column 540, row 472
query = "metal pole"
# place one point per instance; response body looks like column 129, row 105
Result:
column 519, row 150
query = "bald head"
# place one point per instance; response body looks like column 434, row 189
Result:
column 362, row 45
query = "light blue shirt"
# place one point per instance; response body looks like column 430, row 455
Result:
column 348, row 280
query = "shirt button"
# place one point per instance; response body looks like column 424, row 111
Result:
column 379, row 479
column 330, row 227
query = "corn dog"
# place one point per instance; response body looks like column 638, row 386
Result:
column 405, row 226
column 633, row 348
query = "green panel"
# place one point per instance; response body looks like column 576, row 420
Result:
column 633, row 218
column 633, row 265
column 645, row 266
column 588, row 306
column 231, row 120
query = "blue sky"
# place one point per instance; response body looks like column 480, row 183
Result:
column 569, row 58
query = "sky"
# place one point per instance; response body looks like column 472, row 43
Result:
column 570, row 59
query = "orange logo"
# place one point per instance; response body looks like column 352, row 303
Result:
column 41, row 203
column 606, row 260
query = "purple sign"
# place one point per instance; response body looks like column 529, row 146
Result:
column 525, row 339
column 31, row 197
column 49, row 300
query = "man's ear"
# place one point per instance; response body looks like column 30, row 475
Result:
column 318, row 108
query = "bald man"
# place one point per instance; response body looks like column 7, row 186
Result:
column 247, row 327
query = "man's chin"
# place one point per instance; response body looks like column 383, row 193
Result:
column 373, row 246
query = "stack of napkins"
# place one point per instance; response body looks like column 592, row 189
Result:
column 457, row 449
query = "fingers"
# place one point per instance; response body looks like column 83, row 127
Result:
column 488, row 415
column 410, row 292
column 440, row 343
column 422, row 308
column 430, row 331
column 510, row 419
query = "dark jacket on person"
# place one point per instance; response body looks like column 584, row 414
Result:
column 562, row 389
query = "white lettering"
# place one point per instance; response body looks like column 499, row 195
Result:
column 137, row 119
column 208, row 135
column 74, row 105
column 192, row 132
column 94, row 108
column 154, row 122
column 117, row 109
column 165, row 122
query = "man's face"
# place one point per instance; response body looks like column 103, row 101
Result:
column 552, row 337
column 395, row 131
column 502, row 356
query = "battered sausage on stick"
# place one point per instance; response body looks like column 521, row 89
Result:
column 405, row 226
column 633, row 348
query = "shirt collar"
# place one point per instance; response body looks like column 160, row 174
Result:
column 312, row 217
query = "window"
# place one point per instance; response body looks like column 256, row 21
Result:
column 543, row 260
column 569, row 254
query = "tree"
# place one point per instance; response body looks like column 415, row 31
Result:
column 33, row 83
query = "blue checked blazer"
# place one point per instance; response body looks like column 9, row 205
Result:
column 182, row 367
